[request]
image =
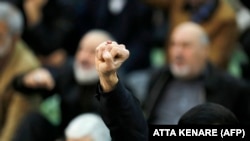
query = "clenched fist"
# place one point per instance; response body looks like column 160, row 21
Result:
column 109, row 58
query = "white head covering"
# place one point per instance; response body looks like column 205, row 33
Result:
column 88, row 125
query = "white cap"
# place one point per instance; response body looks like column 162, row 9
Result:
column 88, row 124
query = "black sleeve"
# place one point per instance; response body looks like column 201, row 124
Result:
column 122, row 114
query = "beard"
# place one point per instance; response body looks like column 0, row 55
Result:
column 180, row 72
column 85, row 76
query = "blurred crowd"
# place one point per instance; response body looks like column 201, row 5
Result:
column 183, row 53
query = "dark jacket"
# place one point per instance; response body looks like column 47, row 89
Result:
column 50, row 33
column 219, row 87
column 122, row 114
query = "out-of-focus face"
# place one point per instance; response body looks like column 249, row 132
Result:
column 5, row 40
column 84, row 68
column 86, row 52
column 186, row 52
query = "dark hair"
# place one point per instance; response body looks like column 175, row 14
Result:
column 208, row 114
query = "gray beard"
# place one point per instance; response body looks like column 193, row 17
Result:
column 179, row 73
column 85, row 76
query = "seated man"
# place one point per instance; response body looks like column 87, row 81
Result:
column 190, row 79
column 75, row 83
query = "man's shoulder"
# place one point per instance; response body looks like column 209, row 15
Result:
column 223, row 78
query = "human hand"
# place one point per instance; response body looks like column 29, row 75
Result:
column 109, row 58
column 39, row 78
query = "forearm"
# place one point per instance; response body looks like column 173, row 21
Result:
column 122, row 114
column 120, row 111
column 108, row 82
column 19, row 85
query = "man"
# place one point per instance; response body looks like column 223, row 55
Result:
column 189, row 79
column 75, row 83
column 120, row 110
column 217, row 18
column 15, row 59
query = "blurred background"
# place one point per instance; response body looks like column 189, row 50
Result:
column 52, row 30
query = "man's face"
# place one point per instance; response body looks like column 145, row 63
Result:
column 84, row 66
column 187, row 55
column 85, row 55
column 5, row 40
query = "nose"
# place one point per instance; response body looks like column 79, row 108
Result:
column 83, row 54
column 177, row 50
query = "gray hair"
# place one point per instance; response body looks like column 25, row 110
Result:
column 12, row 16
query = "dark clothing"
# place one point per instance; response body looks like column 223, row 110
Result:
column 187, row 93
column 75, row 99
column 49, row 34
column 208, row 113
column 122, row 114
column 35, row 127
column 245, row 3
column 219, row 88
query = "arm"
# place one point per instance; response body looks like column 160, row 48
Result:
column 120, row 110
column 38, row 80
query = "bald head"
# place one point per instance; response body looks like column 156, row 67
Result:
column 89, row 42
column 85, row 56
column 94, row 38
column 192, row 31
column 188, row 50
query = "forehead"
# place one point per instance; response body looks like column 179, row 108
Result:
column 186, row 34
column 91, row 41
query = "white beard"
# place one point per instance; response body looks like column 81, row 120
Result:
column 180, row 72
column 85, row 76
